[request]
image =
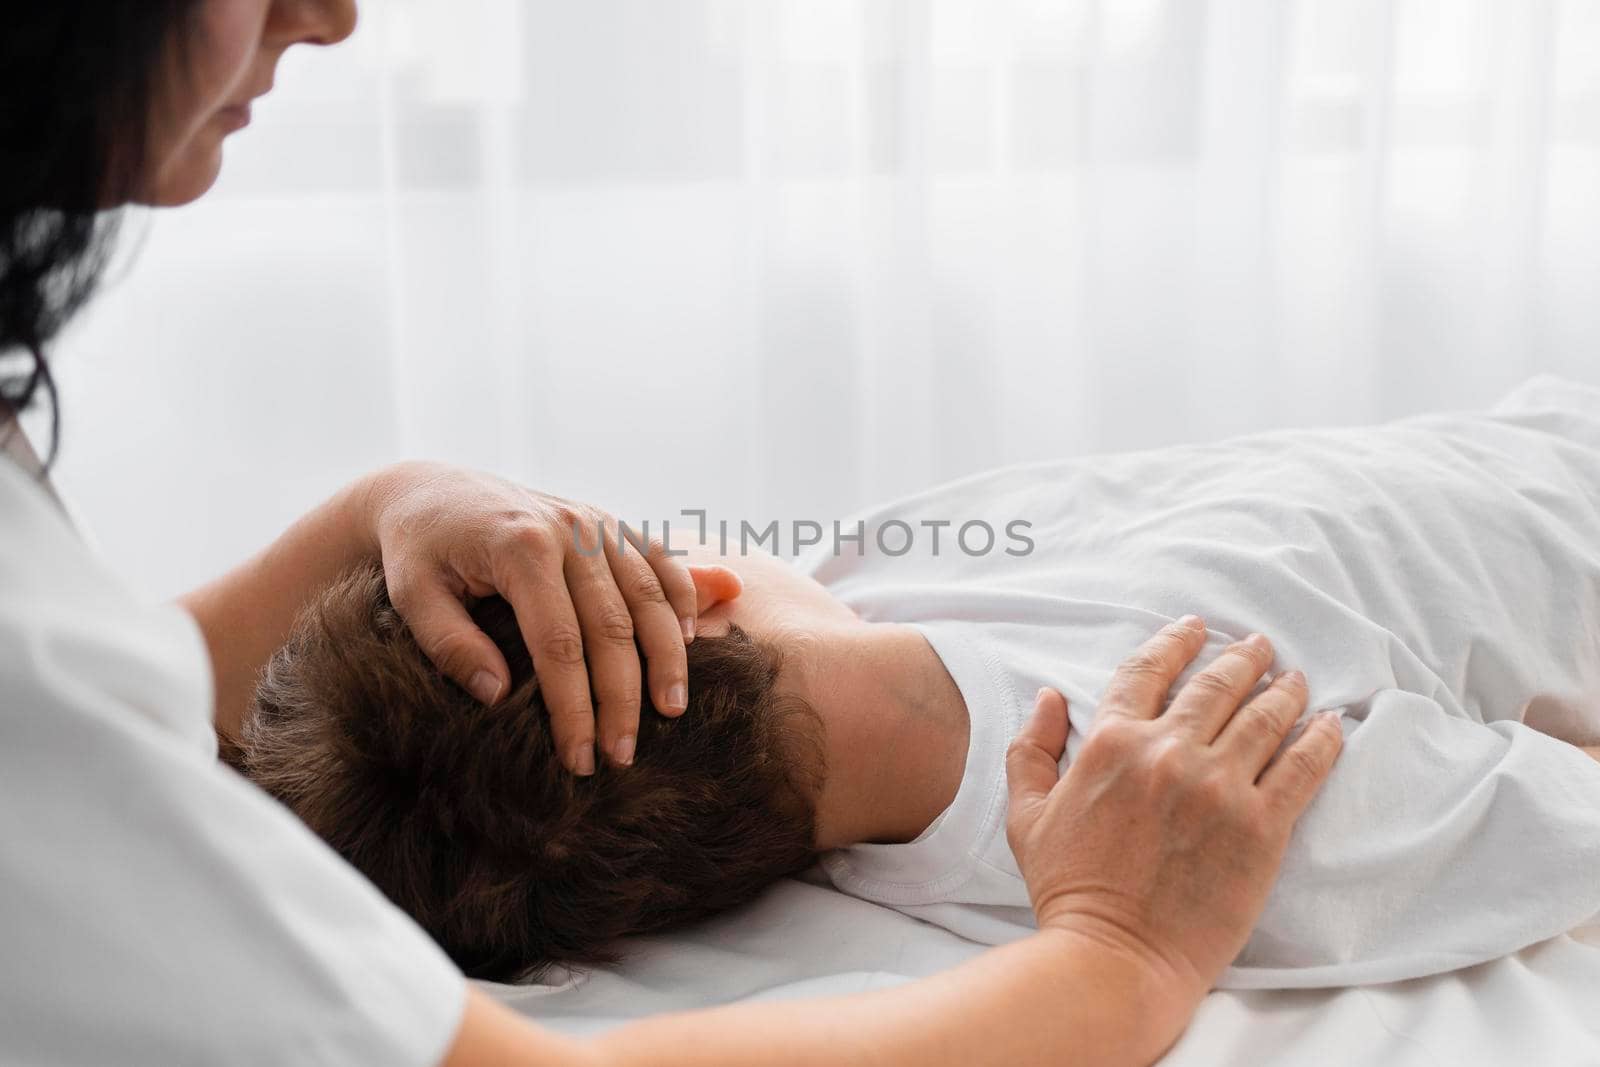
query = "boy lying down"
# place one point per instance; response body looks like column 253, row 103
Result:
column 1437, row 579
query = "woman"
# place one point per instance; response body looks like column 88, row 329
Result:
column 214, row 929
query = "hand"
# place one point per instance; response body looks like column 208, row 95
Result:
column 1166, row 833
column 446, row 534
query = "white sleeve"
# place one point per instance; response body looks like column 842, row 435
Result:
column 155, row 908
column 1437, row 843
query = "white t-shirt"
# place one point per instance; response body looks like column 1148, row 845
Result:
column 1438, row 579
column 155, row 908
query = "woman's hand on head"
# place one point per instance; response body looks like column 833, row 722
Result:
column 1166, row 833
column 446, row 534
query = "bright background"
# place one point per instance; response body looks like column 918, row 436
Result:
column 782, row 258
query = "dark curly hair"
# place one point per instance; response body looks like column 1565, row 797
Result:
column 77, row 82
column 464, row 816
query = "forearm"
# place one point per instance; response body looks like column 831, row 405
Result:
column 1053, row 998
column 247, row 613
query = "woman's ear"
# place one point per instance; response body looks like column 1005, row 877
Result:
column 713, row 584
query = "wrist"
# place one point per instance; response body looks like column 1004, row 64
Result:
column 1161, row 994
column 362, row 504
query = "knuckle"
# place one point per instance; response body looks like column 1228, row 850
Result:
column 1168, row 762
column 1211, row 683
column 443, row 649
column 1145, row 663
column 1303, row 764
column 1018, row 752
column 1252, row 826
column 562, row 647
column 567, row 513
column 1135, row 686
column 607, row 523
column 1262, row 724
column 578, row 729
column 1112, row 739
column 572, row 717
column 617, row 697
column 645, row 588
column 531, row 539
column 1252, row 654
column 673, row 575
column 1212, row 791
column 1283, row 705
column 404, row 590
column 615, row 626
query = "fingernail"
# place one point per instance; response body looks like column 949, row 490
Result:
column 1193, row 622
column 1038, row 698
column 484, row 686
column 583, row 760
column 1331, row 719
column 622, row 751
column 1294, row 677
column 1255, row 641
column 677, row 697
column 688, row 628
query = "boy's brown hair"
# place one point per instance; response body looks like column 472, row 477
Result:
column 465, row 817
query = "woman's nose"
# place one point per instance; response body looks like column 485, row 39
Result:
column 321, row 22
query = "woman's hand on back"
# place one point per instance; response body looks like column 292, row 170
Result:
column 1165, row 835
column 446, row 534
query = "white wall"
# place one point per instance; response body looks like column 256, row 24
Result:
column 781, row 258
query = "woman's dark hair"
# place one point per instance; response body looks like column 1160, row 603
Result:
column 77, row 83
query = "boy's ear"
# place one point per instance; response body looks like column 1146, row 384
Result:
column 713, row 584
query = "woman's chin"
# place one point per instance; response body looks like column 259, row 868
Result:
column 187, row 180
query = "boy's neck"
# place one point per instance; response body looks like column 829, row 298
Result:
column 895, row 727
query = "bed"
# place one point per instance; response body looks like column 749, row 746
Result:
column 803, row 938
column 1464, row 897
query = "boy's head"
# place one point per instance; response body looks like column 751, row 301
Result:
column 464, row 816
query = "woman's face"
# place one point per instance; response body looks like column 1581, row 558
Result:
column 228, row 58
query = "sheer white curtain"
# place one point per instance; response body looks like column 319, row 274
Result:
column 779, row 258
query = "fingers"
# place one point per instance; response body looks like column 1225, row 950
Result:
column 1251, row 737
column 1210, row 698
column 659, row 630
column 533, row 580
column 1138, row 688
column 676, row 582
column 447, row 635
column 1034, row 757
column 608, row 641
column 579, row 610
column 1291, row 781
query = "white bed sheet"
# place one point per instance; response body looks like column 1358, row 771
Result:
column 1540, row 1006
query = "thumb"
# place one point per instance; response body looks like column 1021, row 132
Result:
column 448, row 637
column 1033, row 760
